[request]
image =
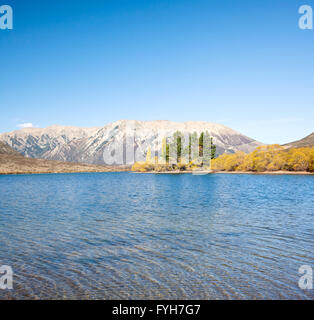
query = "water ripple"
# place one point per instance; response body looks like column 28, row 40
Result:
column 127, row 236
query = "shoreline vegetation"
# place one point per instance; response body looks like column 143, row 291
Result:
column 271, row 159
column 274, row 173
column 180, row 154
column 267, row 159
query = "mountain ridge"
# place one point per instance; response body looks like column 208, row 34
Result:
column 87, row 145
column 307, row 141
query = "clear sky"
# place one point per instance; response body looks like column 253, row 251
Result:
column 242, row 63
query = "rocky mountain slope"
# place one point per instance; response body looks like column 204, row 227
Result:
column 11, row 162
column 88, row 145
column 7, row 150
column 305, row 142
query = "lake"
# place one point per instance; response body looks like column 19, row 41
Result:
column 145, row 236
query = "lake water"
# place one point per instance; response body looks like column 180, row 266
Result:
column 144, row 236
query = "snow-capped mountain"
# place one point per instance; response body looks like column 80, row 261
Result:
column 89, row 145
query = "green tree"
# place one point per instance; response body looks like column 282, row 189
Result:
column 206, row 148
column 176, row 147
column 201, row 145
column 194, row 145
column 190, row 148
column 213, row 149
column 167, row 153
column 164, row 150
column 177, row 138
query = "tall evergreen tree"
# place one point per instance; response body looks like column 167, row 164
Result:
column 201, row 144
column 213, row 149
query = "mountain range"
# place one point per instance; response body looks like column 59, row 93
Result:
column 308, row 141
column 12, row 162
column 87, row 145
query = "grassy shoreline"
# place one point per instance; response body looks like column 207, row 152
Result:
column 60, row 172
column 16, row 164
column 154, row 172
column 281, row 172
column 231, row 172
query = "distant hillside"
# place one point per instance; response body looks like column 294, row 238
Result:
column 11, row 162
column 305, row 142
column 7, row 150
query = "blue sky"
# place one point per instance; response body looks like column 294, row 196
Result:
column 245, row 64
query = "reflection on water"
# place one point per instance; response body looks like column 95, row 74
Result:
column 131, row 236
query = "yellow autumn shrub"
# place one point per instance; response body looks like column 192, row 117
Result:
column 267, row 158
